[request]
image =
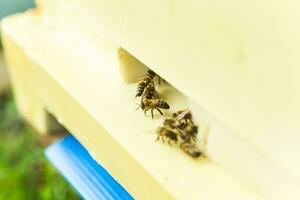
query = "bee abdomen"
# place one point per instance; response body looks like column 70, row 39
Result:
column 142, row 85
column 194, row 153
column 191, row 150
column 162, row 104
column 140, row 89
column 172, row 135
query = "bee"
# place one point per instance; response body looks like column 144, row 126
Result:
column 150, row 92
column 183, row 115
column 153, row 104
column 166, row 133
column 191, row 150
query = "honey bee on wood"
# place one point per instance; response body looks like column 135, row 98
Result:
column 168, row 134
column 190, row 149
column 153, row 104
column 150, row 92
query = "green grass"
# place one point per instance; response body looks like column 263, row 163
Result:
column 25, row 173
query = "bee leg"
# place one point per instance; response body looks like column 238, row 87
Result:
column 169, row 142
column 152, row 113
column 162, row 138
column 145, row 111
column 159, row 111
column 186, row 121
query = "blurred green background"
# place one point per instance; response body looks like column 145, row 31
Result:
column 25, row 174
column 24, row 171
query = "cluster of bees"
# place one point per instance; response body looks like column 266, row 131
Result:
column 180, row 128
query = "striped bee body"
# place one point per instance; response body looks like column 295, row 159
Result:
column 142, row 85
column 165, row 133
column 153, row 104
column 190, row 149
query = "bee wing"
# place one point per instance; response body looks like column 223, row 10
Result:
column 182, row 114
column 180, row 131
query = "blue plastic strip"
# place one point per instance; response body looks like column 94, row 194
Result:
column 89, row 178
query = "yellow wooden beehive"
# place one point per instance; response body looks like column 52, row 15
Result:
column 234, row 64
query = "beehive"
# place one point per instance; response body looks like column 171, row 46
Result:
column 234, row 64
